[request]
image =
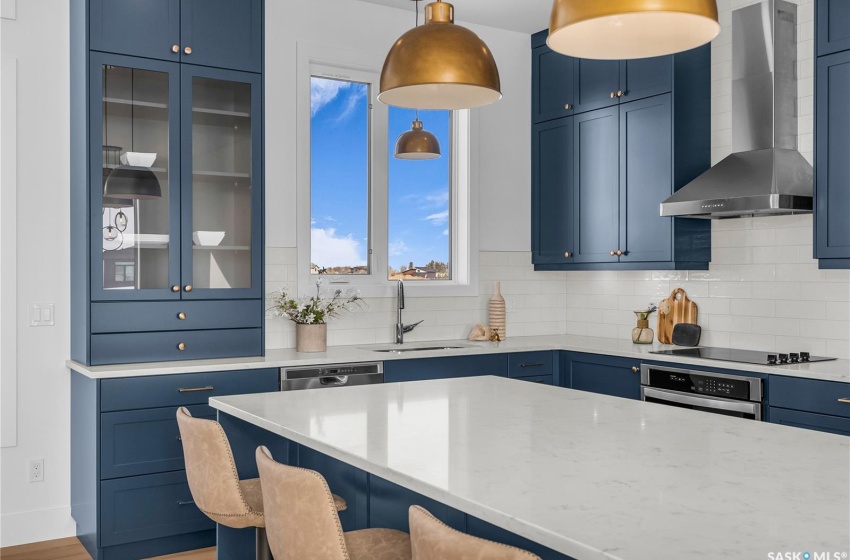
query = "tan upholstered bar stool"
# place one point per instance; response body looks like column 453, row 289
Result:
column 215, row 484
column 431, row 539
column 302, row 522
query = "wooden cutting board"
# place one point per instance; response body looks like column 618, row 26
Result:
column 673, row 310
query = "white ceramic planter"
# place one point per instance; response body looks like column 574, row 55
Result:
column 311, row 338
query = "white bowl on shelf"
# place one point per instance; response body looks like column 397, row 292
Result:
column 138, row 159
column 208, row 238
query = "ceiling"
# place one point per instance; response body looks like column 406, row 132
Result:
column 525, row 16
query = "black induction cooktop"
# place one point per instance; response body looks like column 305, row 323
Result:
column 744, row 356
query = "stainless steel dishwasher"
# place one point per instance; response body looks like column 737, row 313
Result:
column 331, row 375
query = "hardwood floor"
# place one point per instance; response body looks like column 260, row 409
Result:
column 71, row 549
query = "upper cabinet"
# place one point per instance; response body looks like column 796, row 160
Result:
column 557, row 100
column 637, row 131
column 833, row 26
column 832, row 134
column 219, row 33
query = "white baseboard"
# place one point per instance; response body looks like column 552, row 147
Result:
column 36, row 526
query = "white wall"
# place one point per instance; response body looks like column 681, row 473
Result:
column 38, row 38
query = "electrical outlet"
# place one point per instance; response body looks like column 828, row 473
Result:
column 41, row 315
column 36, row 471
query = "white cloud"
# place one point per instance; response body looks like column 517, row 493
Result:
column 445, row 231
column 351, row 103
column 324, row 91
column 398, row 248
column 329, row 250
column 439, row 218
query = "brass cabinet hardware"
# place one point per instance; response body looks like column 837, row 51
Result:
column 613, row 95
column 568, row 254
column 175, row 288
column 186, row 503
column 196, row 389
column 635, row 369
column 620, row 93
column 613, row 253
column 188, row 50
column 567, row 106
column 175, row 48
column 845, row 401
column 187, row 288
column 181, row 346
column 620, row 253
column 181, row 316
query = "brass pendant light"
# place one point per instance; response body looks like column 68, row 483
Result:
column 439, row 65
column 417, row 143
column 629, row 29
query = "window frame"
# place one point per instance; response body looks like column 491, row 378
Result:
column 346, row 64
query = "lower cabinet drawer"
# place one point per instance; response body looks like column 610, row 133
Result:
column 182, row 389
column 821, row 397
column 148, row 507
column 135, row 442
column 810, row 421
column 529, row 364
column 128, row 348
column 135, row 316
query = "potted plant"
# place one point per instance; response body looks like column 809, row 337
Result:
column 311, row 314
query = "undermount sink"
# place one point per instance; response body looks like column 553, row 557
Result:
column 401, row 349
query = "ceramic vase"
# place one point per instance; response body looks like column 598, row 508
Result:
column 311, row 338
column 497, row 312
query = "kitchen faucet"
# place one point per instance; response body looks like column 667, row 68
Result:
column 401, row 328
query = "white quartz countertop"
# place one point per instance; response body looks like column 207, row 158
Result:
column 591, row 476
column 837, row 370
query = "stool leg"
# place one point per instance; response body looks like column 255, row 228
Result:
column 263, row 550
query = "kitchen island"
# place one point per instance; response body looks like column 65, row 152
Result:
column 579, row 475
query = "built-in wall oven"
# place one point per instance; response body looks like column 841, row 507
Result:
column 718, row 393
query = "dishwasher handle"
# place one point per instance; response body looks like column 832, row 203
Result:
column 334, row 381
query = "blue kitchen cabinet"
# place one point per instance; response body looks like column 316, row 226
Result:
column 832, row 166
column 556, row 100
column 129, row 494
column 421, row 369
column 552, row 194
column 537, row 367
column 596, row 84
column 810, row 403
column 645, row 77
column 833, row 26
column 220, row 33
column 596, row 373
column 596, row 179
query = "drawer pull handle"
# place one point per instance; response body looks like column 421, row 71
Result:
column 195, row 389
column 844, row 400
column 535, row 364
column 186, row 503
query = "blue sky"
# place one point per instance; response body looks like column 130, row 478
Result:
column 418, row 190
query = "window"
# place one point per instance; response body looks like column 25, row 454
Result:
column 374, row 218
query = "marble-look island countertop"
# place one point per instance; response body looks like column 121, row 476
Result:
column 837, row 370
column 591, row 476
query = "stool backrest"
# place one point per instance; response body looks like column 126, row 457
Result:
column 211, row 469
column 431, row 539
column 301, row 518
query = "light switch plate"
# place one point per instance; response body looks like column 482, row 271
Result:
column 41, row 315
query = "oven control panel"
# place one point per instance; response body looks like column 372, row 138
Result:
column 696, row 383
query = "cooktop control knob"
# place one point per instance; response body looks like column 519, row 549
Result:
column 771, row 359
column 804, row 356
column 783, row 358
column 794, row 357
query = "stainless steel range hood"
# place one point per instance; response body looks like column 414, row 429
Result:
column 765, row 174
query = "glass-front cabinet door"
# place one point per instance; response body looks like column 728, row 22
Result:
column 221, row 186
column 135, row 176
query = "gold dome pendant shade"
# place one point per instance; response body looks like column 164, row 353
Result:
column 417, row 143
column 439, row 65
column 629, row 29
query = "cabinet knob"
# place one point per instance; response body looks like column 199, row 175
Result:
column 613, row 253
column 620, row 93
column 187, row 288
column 181, row 346
column 567, row 106
column 175, row 288
column 568, row 254
column 613, row 95
column 635, row 369
column 187, row 50
column 175, row 48
column 620, row 253
column 181, row 316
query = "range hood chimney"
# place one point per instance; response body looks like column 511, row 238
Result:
column 765, row 175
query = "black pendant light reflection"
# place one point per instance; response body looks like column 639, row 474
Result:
column 130, row 181
column 417, row 143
